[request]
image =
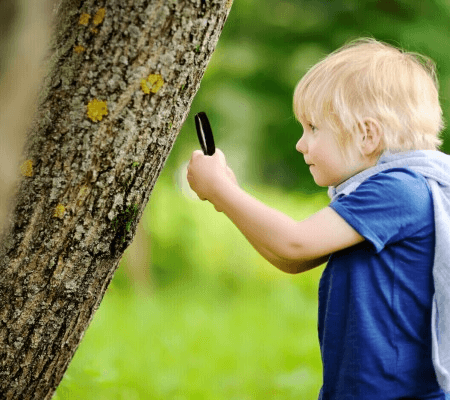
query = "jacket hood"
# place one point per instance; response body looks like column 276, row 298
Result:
column 432, row 164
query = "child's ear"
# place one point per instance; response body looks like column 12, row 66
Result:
column 371, row 137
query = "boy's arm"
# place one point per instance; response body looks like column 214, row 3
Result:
column 290, row 267
column 292, row 246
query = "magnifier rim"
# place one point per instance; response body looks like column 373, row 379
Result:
column 202, row 122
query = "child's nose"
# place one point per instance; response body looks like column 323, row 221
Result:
column 301, row 146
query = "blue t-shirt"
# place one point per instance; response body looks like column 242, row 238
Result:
column 375, row 297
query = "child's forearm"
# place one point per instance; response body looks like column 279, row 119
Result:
column 268, row 255
column 269, row 231
column 291, row 267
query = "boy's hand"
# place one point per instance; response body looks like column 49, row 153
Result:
column 207, row 175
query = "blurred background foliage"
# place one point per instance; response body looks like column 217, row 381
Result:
column 194, row 312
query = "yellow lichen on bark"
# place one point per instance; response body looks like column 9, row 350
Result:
column 84, row 19
column 79, row 49
column 26, row 168
column 59, row 211
column 99, row 16
column 152, row 83
column 96, row 110
column 82, row 195
column 229, row 3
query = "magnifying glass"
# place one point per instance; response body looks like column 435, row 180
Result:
column 204, row 133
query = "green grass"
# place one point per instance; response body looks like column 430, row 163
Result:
column 219, row 321
column 199, row 343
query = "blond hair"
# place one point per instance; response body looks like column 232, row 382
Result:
column 371, row 79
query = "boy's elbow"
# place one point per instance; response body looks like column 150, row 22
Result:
column 294, row 269
column 289, row 266
column 293, row 265
column 294, row 259
column 289, row 262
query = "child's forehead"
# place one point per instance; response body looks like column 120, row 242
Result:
column 316, row 111
column 310, row 106
column 309, row 117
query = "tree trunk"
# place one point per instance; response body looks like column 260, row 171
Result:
column 121, row 79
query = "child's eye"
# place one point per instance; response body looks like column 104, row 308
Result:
column 313, row 128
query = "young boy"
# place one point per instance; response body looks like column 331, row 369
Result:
column 371, row 119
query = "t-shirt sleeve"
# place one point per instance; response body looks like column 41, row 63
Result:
column 387, row 207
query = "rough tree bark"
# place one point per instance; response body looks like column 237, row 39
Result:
column 121, row 78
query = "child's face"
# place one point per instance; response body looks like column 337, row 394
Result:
column 321, row 151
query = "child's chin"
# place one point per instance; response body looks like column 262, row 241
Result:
column 321, row 180
column 325, row 182
column 321, row 183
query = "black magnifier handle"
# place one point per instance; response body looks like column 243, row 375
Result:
column 204, row 133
